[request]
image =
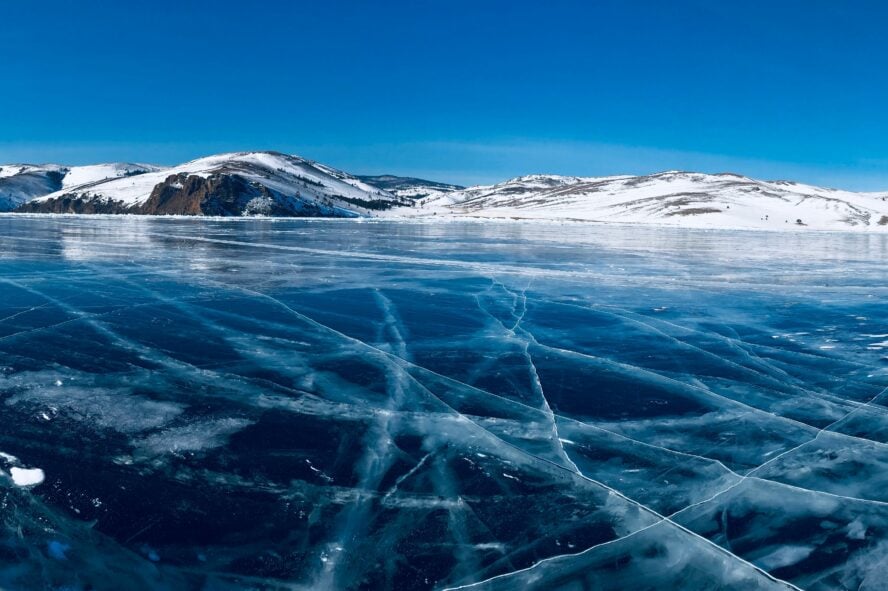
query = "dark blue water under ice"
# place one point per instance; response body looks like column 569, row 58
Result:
column 388, row 405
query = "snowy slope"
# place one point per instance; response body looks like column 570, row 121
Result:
column 410, row 187
column 238, row 183
column 85, row 175
column 20, row 183
column 671, row 198
column 270, row 183
column 11, row 170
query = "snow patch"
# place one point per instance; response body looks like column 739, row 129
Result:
column 26, row 476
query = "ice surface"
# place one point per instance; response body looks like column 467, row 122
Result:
column 286, row 404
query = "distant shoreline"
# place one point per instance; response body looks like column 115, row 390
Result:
column 449, row 219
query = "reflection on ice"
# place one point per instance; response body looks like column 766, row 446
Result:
column 341, row 405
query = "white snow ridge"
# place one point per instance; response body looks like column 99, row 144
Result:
column 20, row 183
column 669, row 198
column 275, row 184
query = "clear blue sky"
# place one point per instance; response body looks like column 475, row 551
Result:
column 464, row 91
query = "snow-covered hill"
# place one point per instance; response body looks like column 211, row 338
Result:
column 270, row 183
column 20, row 183
column 409, row 187
column 242, row 183
column 671, row 198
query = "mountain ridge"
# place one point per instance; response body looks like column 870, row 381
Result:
column 20, row 183
column 410, row 187
column 235, row 183
column 276, row 184
column 687, row 199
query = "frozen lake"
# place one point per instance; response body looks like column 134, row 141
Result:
column 198, row 404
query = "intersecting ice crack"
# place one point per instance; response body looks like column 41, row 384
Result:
column 749, row 474
column 659, row 517
column 402, row 349
column 89, row 318
column 395, row 347
column 665, row 449
column 649, row 319
column 682, row 344
column 176, row 366
column 402, row 353
column 375, row 463
column 520, row 299
column 741, row 478
column 518, row 318
column 664, row 379
column 647, row 323
column 734, row 343
column 708, row 392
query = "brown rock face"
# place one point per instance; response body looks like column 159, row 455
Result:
column 219, row 195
